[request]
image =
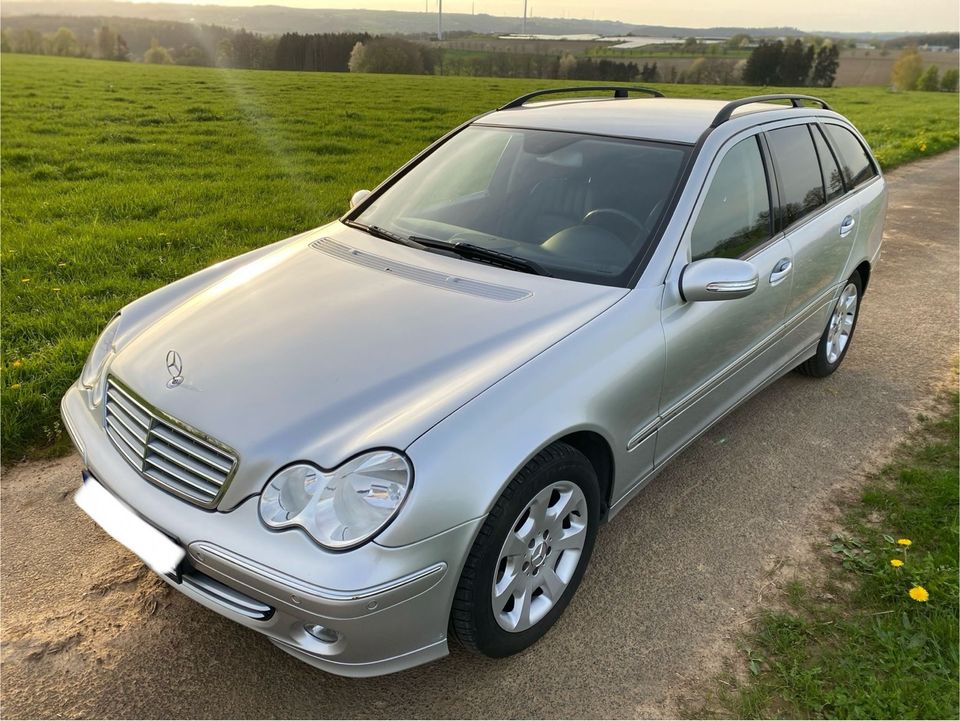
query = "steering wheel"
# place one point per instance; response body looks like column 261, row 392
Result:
column 618, row 222
column 652, row 217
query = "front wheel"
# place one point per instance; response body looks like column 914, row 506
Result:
column 836, row 338
column 530, row 554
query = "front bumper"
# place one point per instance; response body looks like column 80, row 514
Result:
column 388, row 606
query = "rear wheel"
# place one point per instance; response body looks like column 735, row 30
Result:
column 530, row 554
column 836, row 338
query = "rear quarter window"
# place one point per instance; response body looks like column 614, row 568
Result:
column 833, row 180
column 855, row 162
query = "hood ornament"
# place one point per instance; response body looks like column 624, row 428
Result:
column 174, row 368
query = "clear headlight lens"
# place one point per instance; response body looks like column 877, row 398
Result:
column 98, row 356
column 340, row 508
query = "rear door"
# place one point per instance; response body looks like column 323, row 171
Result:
column 820, row 220
column 719, row 351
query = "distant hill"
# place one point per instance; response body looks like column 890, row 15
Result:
column 272, row 19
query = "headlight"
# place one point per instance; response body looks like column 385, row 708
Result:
column 341, row 508
column 98, row 356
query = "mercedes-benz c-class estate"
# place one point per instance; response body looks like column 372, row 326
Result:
column 412, row 422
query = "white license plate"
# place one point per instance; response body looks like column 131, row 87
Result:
column 154, row 549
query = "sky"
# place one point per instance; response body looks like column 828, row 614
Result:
column 838, row 15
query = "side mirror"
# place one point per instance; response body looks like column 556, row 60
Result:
column 718, row 279
column 358, row 198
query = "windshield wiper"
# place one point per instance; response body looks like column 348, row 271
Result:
column 377, row 232
column 469, row 251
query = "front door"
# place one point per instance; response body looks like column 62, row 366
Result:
column 718, row 351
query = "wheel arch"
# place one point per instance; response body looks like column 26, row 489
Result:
column 863, row 270
column 598, row 452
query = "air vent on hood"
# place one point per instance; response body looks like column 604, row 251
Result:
column 421, row 275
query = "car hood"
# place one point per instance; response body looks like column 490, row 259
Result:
column 336, row 342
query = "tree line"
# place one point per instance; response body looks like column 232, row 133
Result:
column 909, row 74
column 792, row 64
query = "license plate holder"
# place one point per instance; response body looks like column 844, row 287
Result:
column 155, row 548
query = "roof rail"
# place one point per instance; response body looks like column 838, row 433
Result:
column 724, row 115
column 618, row 92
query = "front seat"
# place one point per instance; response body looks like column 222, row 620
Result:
column 554, row 204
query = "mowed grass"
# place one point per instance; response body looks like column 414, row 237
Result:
column 119, row 178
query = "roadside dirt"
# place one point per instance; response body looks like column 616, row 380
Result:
column 87, row 632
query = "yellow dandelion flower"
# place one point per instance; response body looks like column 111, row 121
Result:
column 17, row 363
column 15, row 387
column 919, row 593
column 923, row 147
column 904, row 542
column 896, row 562
column 24, row 280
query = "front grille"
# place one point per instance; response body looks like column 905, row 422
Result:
column 166, row 452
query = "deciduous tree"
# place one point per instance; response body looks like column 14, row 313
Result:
column 906, row 71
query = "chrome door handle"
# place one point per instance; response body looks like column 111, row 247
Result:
column 847, row 225
column 781, row 270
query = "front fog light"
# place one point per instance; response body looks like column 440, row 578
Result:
column 341, row 508
column 322, row 633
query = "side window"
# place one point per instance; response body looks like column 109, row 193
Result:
column 735, row 215
column 856, row 163
column 828, row 165
column 798, row 171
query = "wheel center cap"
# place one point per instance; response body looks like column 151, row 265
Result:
column 539, row 555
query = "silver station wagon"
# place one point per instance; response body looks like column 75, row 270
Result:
column 413, row 421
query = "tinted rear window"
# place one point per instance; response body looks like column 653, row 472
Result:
column 801, row 185
column 856, row 164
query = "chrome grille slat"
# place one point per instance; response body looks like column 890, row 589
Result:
column 131, row 444
column 165, row 451
column 177, row 440
column 139, row 432
column 169, row 471
column 183, row 461
column 124, row 449
column 133, row 411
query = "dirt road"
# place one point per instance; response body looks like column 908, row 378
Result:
column 87, row 632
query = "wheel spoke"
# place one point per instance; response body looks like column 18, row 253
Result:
column 572, row 539
column 538, row 513
column 568, row 502
column 503, row 591
column 553, row 586
column 523, row 617
column 515, row 545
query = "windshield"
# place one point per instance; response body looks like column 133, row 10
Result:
column 581, row 207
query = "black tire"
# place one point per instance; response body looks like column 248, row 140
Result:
column 472, row 617
column 819, row 366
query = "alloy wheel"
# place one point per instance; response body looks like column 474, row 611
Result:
column 841, row 323
column 539, row 556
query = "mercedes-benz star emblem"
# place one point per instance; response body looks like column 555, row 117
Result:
column 174, row 368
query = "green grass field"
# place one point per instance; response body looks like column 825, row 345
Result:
column 118, row 178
